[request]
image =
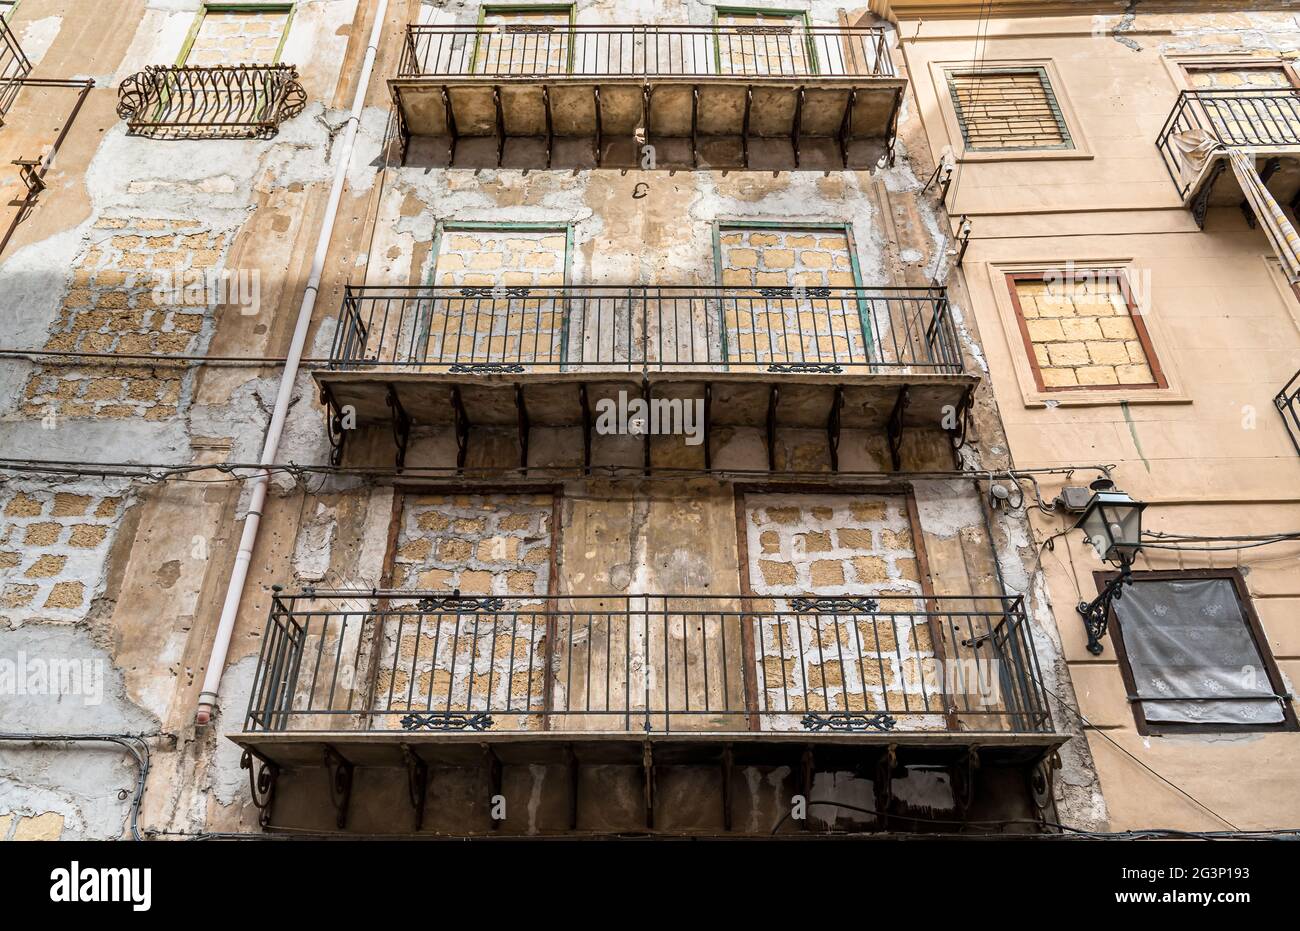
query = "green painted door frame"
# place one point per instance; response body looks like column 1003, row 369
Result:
column 802, row 15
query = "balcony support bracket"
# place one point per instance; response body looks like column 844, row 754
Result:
column 501, row 125
column 846, row 127
column 335, row 427
column 462, row 427
column 773, row 399
column 550, row 125
column 883, row 784
column 571, row 759
column 586, row 429
column 1270, row 168
column 964, row 779
column 895, row 428
column 798, row 128
column 645, row 395
column 492, row 763
column 599, row 151
column 708, row 425
column 417, row 782
column 728, row 763
column 807, row 775
column 401, row 425
column 451, row 126
column 833, row 427
column 261, row 783
column 340, row 771
column 1201, row 203
column 521, row 417
column 695, row 120
column 648, row 782
column 744, row 127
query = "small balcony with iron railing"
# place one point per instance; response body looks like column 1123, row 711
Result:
column 1288, row 405
column 828, row 358
column 218, row 102
column 726, row 95
column 350, row 679
column 1205, row 125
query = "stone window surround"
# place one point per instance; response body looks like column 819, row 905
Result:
column 1021, row 354
column 250, row 6
column 1145, row 728
column 956, row 139
column 1178, row 66
column 1135, row 315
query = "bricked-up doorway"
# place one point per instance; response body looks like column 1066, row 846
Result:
column 841, row 545
column 497, row 295
column 488, row 652
column 791, row 297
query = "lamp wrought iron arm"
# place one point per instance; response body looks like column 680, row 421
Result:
column 1096, row 613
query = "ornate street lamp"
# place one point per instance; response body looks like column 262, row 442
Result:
column 1113, row 524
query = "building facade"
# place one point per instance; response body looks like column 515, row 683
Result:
column 426, row 417
column 1135, row 311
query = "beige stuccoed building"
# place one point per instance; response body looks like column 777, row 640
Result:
column 1135, row 311
column 455, row 420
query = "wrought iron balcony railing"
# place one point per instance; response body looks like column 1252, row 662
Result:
column 1259, row 118
column 222, row 102
column 425, row 661
column 14, row 67
column 644, row 51
column 1288, row 405
column 642, row 328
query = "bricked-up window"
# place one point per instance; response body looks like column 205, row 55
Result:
column 1084, row 330
column 234, row 34
column 767, row 42
column 498, row 297
column 515, row 40
column 797, row 325
column 1193, row 654
column 1008, row 109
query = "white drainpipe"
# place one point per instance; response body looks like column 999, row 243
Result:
column 239, row 575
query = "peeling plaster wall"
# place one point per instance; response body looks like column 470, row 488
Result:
column 110, row 571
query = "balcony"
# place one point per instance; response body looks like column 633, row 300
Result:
column 1288, row 405
column 722, row 96
column 1264, row 121
column 426, row 679
column 827, row 358
column 14, row 68
column 236, row 102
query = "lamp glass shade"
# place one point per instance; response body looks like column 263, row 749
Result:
column 1113, row 523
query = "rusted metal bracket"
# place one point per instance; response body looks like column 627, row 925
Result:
column 501, row 126
column 401, row 425
column 334, row 428
column 462, row 427
column 1201, row 202
column 492, row 763
column 523, row 423
column 744, row 127
column 261, row 783
column 798, row 125
column 833, row 427
column 728, row 766
column 695, row 118
column 451, row 127
column 645, row 396
column 648, row 782
column 708, row 428
column 586, row 429
column 1270, row 169
column 340, row 771
column 417, row 782
column 846, row 126
column 599, row 152
column 894, row 428
column 550, row 125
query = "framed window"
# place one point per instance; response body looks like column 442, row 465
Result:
column 532, row 39
column 237, row 34
column 1083, row 330
column 759, row 41
column 1007, row 109
column 790, row 294
column 1193, row 655
column 499, row 294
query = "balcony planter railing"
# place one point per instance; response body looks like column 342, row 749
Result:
column 425, row 661
column 14, row 67
column 222, row 102
column 644, row 51
column 642, row 328
column 1288, row 405
column 1262, row 118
